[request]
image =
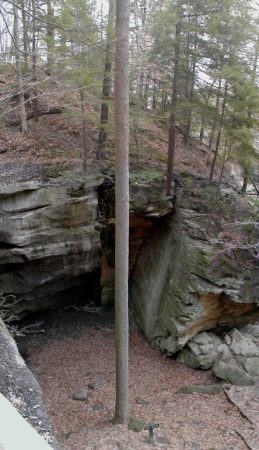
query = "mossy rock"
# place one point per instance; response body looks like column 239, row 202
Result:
column 136, row 425
column 211, row 389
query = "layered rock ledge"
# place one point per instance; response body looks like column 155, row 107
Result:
column 49, row 242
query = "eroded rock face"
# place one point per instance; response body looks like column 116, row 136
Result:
column 148, row 208
column 186, row 279
column 48, row 239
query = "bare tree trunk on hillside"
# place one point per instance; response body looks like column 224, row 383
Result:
column 214, row 126
column 187, row 81
column 84, row 138
column 246, row 171
column 224, row 161
column 219, row 132
column 207, row 100
column 191, row 92
column 19, row 70
column 107, row 81
column 245, row 181
column 25, row 37
column 122, row 208
column 172, row 119
column 34, row 62
column 50, row 38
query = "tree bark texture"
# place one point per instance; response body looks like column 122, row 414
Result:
column 219, row 132
column 214, row 126
column 191, row 90
column 19, row 70
column 172, row 119
column 50, row 38
column 34, row 62
column 84, row 138
column 122, row 208
column 107, row 81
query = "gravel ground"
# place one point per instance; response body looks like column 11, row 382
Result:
column 77, row 349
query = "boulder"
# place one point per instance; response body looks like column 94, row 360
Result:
column 232, row 374
column 233, row 358
column 198, row 354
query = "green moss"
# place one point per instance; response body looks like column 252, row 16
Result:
column 136, row 425
column 147, row 175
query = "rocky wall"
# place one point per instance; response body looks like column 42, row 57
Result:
column 189, row 276
column 49, row 241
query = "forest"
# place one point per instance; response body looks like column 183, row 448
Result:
column 193, row 64
column 129, row 233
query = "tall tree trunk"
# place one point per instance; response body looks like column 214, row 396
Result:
column 19, row 69
column 201, row 136
column 154, row 94
column 214, row 126
column 50, row 38
column 84, row 139
column 146, row 91
column 245, row 181
column 122, row 209
column 246, row 170
column 172, row 119
column 255, row 60
column 203, row 117
column 107, row 81
column 191, row 91
column 187, row 81
column 143, row 14
column 224, row 161
column 25, row 38
column 219, row 132
column 34, row 62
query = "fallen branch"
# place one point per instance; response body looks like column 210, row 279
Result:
column 34, row 328
column 15, row 121
column 89, row 309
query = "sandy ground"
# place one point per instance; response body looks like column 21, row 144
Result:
column 77, row 349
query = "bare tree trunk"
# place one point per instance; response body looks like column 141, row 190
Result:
column 219, row 132
column 191, row 92
column 146, row 91
column 50, row 38
column 143, row 14
column 187, row 81
column 172, row 119
column 122, row 209
column 19, row 70
column 246, row 170
column 245, row 181
column 214, row 126
column 25, row 38
column 224, row 161
column 154, row 94
column 203, row 117
column 106, row 81
column 34, row 62
column 84, row 139
column 201, row 131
